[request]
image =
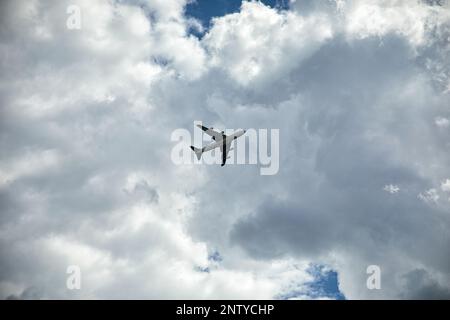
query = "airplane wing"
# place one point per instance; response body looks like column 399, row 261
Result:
column 215, row 134
column 225, row 148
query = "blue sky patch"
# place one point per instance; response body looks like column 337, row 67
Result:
column 215, row 256
column 204, row 10
column 324, row 285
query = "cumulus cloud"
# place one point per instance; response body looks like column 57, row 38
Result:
column 259, row 45
column 355, row 88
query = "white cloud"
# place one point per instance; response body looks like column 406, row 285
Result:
column 372, row 18
column 391, row 188
column 259, row 45
column 429, row 196
column 378, row 18
column 445, row 185
column 441, row 122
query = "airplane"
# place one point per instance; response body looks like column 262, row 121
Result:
column 220, row 140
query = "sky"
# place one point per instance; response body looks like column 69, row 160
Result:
column 360, row 94
column 205, row 10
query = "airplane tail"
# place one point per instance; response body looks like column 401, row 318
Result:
column 198, row 152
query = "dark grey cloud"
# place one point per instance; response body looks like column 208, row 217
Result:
column 420, row 285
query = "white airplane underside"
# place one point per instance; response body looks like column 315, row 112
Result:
column 221, row 141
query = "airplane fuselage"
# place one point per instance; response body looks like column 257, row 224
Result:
column 225, row 140
column 221, row 140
